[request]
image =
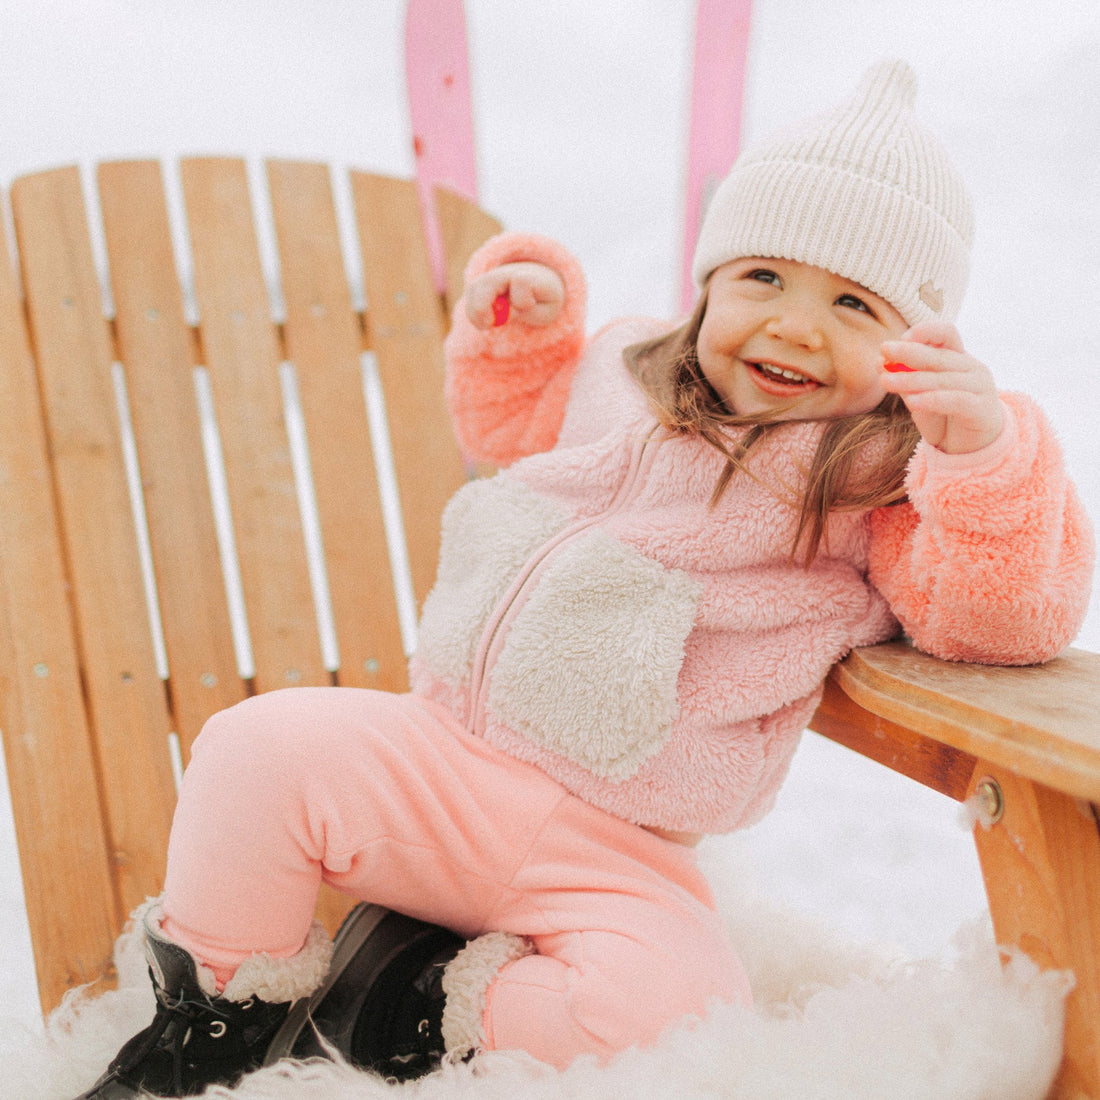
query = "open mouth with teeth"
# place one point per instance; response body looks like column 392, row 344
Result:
column 781, row 381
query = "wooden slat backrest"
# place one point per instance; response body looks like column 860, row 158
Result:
column 156, row 345
column 240, row 349
column 127, row 707
column 71, row 904
column 324, row 340
column 406, row 330
column 86, row 715
column 461, row 226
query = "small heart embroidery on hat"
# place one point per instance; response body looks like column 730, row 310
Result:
column 931, row 296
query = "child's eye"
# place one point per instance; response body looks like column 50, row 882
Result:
column 764, row 275
column 850, row 301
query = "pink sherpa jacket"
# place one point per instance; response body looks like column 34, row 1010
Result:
column 593, row 615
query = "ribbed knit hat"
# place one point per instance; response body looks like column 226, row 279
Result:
column 865, row 192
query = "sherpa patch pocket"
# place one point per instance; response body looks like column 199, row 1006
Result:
column 490, row 529
column 590, row 665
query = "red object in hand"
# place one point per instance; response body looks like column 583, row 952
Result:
column 501, row 308
column 897, row 368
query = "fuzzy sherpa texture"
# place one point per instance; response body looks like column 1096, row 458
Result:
column 990, row 563
column 833, row 1021
column 611, row 623
column 466, row 982
column 278, row 980
column 532, row 367
column 489, row 530
column 263, row 976
column 1020, row 590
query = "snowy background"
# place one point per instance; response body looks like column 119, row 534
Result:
column 580, row 114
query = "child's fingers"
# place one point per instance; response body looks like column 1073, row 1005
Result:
column 956, row 421
column 927, row 346
column 935, row 381
column 950, row 394
column 481, row 297
column 961, row 404
column 907, row 357
column 522, row 293
column 529, row 292
column 934, row 334
column 913, row 368
column 537, row 313
column 536, row 294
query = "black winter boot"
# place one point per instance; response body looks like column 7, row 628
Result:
column 382, row 1004
column 196, row 1038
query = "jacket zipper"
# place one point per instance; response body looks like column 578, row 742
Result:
column 623, row 495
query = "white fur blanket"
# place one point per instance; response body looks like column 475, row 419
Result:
column 832, row 1022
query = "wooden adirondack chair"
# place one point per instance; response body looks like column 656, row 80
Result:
column 87, row 715
column 88, row 707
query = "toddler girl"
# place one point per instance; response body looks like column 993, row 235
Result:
column 629, row 630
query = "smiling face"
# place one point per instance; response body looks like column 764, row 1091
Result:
column 782, row 337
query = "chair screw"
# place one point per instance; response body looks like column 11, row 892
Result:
column 991, row 801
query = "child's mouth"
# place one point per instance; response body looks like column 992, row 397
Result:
column 781, row 381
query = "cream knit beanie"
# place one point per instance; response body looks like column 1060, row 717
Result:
column 865, row 192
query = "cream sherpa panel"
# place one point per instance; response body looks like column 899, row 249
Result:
column 590, row 664
column 490, row 529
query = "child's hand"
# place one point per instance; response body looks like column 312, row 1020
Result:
column 950, row 395
column 528, row 292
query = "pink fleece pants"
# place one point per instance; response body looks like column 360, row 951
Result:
column 387, row 799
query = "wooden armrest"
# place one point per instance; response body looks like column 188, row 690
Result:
column 1032, row 735
column 1038, row 721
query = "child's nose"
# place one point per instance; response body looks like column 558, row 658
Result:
column 795, row 325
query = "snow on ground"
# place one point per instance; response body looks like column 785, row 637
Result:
column 580, row 116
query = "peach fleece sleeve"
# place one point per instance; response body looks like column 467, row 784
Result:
column 991, row 560
column 508, row 387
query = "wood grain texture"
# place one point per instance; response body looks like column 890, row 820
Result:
column 155, row 347
column 405, row 328
column 324, row 342
column 1041, row 865
column 1040, row 721
column 907, row 752
column 241, row 350
column 60, row 821
column 126, row 703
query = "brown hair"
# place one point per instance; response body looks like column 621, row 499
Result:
column 667, row 368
